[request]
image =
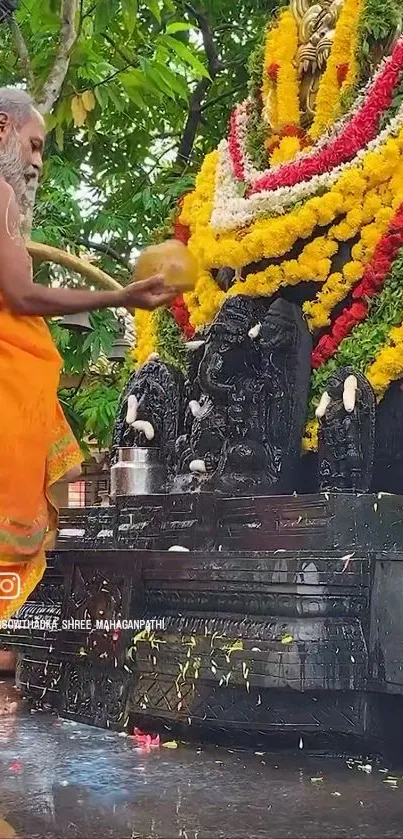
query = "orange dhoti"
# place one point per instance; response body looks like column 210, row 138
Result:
column 37, row 448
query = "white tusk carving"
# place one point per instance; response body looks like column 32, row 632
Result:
column 198, row 466
column 132, row 405
column 196, row 408
column 350, row 393
column 323, row 405
column 178, row 549
column 145, row 427
column 192, row 346
column 255, row 331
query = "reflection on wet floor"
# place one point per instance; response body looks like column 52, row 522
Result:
column 60, row 780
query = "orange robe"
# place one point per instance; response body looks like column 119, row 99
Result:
column 37, row 448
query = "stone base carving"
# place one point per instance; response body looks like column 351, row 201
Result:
column 266, row 616
column 347, row 434
column 254, row 378
column 157, row 394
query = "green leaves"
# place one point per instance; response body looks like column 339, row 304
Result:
column 97, row 404
column 185, row 55
column 115, row 179
column 80, row 351
column 154, row 7
column 129, row 10
column 177, row 26
column 104, row 13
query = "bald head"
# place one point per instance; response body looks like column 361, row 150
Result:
column 22, row 136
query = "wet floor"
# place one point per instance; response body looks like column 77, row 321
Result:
column 59, row 780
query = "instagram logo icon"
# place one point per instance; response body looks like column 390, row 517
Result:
column 10, row 585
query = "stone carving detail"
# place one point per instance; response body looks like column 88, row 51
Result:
column 347, row 433
column 316, row 26
column 185, row 480
column 95, row 696
column 228, row 377
column 39, row 680
column 96, row 596
column 153, row 402
column 254, row 377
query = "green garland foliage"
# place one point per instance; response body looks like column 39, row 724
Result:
column 169, row 342
column 380, row 21
column 361, row 347
column 255, row 140
column 256, row 68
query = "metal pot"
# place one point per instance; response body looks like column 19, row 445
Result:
column 138, row 471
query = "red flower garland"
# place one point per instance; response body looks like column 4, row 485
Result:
column 374, row 277
column 272, row 71
column 235, row 149
column 180, row 312
column 358, row 132
column 178, row 308
column 181, row 231
column 342, row 71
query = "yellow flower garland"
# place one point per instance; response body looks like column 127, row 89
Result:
column 337, row 286
column 361, row 200
column 281, row 96
column 310, row 438
column 389, row 365
column 312, row 265
column 145, row 336
column 287, row 149
column 268, row 86
column 343, row 53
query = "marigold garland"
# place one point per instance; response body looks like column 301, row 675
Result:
column 268, row 89
column 286, row 149
column 373, row 278
column 374, row 347
column 341, row 71
column 280, row 89
column 388, row 366
column 274, row 237
column 341, row 192
column 381, row 310
column 145, row 336
column 358, row 132
column 338, row 285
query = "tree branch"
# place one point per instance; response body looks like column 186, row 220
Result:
column 47, row 253
column 106, row 249
column 213, row 60
column 222, row 97
column 22, row 50
column 68, row 34
column 198, row 96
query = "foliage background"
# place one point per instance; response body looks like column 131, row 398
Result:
column 135, row 92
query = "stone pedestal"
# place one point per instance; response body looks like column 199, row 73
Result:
column 283, row 615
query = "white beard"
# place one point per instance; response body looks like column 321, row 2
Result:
column 12, row 169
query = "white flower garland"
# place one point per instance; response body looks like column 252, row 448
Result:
column 232, row 211
column 242, row 115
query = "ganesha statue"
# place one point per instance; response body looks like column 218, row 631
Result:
column 151, row 411
column 303, row 203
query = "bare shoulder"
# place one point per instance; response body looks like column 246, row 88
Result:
column 10, row 219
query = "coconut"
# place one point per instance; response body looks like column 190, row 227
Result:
column 171, row 260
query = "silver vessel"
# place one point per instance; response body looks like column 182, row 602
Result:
column 137, row 472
